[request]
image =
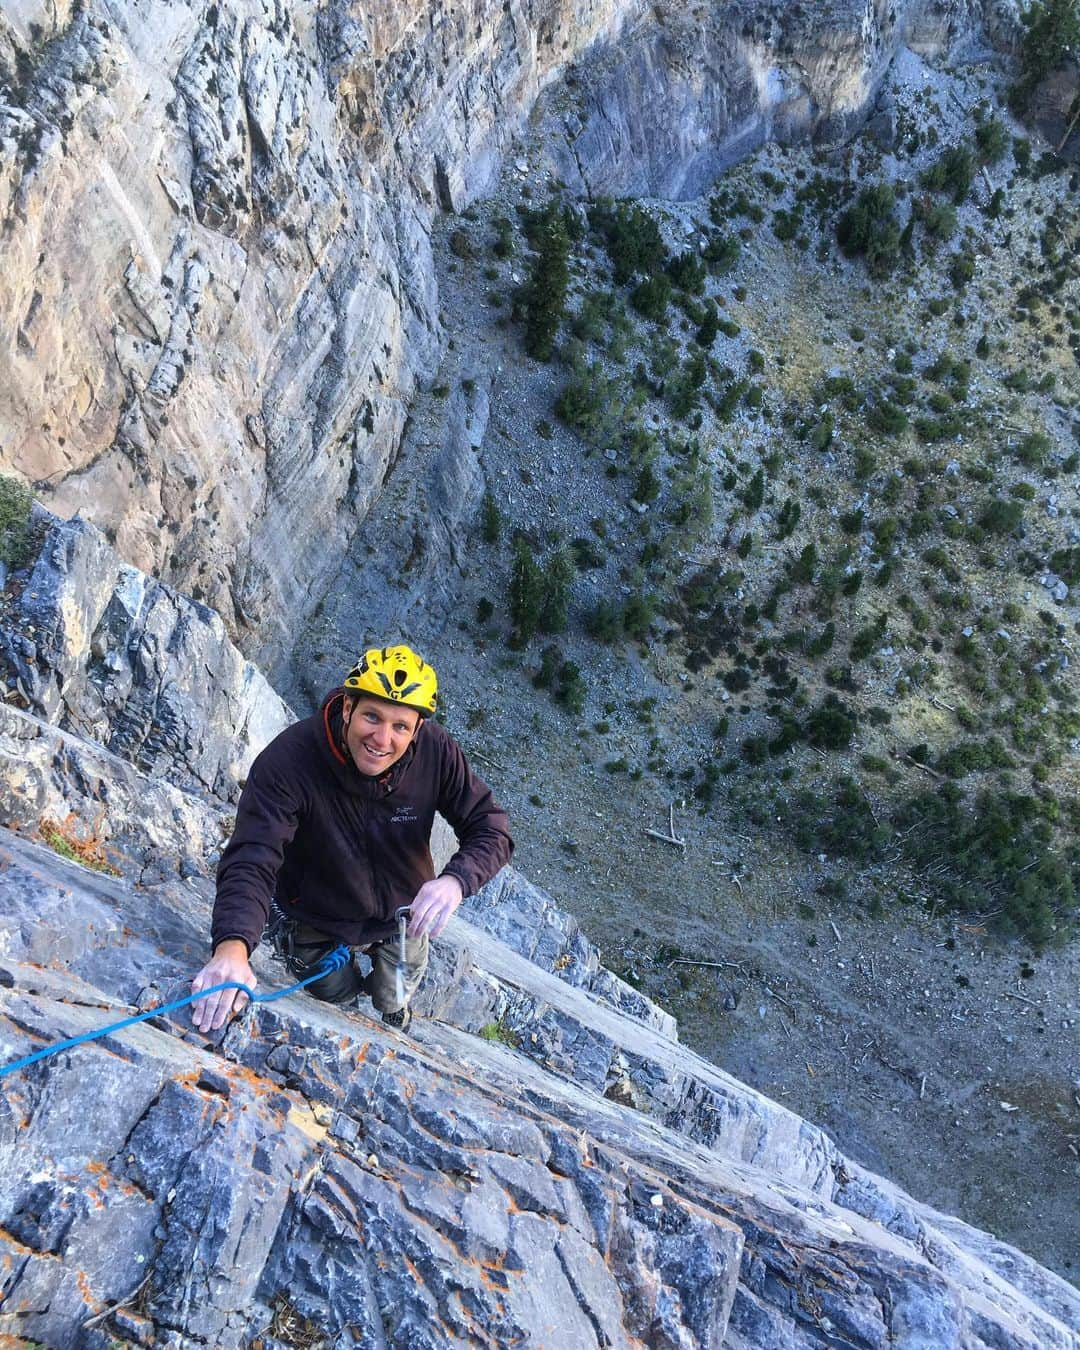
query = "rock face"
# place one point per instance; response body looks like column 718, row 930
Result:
column 219, row 369
column 216, row 258
column 314, row 1170
column 541, row 1163
column 100, row 648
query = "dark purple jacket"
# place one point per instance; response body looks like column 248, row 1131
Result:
column 341, row 851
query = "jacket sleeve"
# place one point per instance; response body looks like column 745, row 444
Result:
column 266, row 820
column 480, row 823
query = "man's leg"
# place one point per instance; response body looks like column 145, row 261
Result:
column 308, row 948
column 391, row 989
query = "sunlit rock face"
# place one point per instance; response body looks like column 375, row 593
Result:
column 216, row 274
column 217, row 286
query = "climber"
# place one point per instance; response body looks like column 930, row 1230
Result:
column 332, row 829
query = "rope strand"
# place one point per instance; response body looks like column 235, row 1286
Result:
column 335, row 960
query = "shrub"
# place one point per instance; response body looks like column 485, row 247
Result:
column 736, row 680
column 867, row 638
column 870, row 229
column 974, row 757
column 801, row 569
column 996, row 857
column 15, row 503
column 539, row 592
column 460, row 246
column 559, row 572
column 830, row 726
column 710, row 326
column 992, row 141
column 954, row 172
column 687, row 272
column 1053, row 32
column 754, row 493
column 526, row 590
column 961, row 270
column 550, row 660
column 570, row 690
column 590, row 403
column 651, row 297
column 787, row 518
column 1033, row 449
column 503, row 247
column 821, row 433
column 637, row 615
column 604, row 622
column 594, row 314
column 684, row 389
column 886, row 418
column 1066, row 563
column 999, row 516
column 722, row 252
column 939, row 221
column 632, row 238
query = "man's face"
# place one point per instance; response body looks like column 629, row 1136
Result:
column 377, row 734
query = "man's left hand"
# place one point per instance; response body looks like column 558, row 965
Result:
column 434, row 906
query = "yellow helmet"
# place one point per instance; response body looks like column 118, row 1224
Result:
column 396, row 674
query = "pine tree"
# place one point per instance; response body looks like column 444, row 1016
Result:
column 526, row 590
column 544, row 294
column 1053, row 34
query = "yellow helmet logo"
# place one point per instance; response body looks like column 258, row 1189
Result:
column 398, row 675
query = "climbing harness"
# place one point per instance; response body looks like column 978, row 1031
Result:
column 334, row 960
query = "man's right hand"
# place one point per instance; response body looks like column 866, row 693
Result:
column 229, row 962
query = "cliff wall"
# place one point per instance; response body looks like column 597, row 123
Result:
column 217, row 290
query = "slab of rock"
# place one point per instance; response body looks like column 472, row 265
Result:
column 309, row 1168
column 101, row 649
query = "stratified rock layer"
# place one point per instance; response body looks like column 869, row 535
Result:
column 444, row 1190
column 542, row 1163
column 99, row 648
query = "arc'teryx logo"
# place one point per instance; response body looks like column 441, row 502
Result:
column 403, row 814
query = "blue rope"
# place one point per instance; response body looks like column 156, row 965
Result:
column 335, row 960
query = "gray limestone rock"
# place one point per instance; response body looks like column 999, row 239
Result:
column 311, row 1169
column 101, row 649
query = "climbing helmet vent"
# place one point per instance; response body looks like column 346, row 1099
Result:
column 396, row 674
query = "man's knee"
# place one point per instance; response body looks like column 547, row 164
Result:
column 339, row 986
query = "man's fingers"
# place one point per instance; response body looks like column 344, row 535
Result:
column 431, row 920
column 212, row 1012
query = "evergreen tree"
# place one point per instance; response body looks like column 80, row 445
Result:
column 526, row 590
column 1053, row 33
column 544, row 294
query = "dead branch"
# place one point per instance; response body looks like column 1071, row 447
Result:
column 478, row 754
column 717, row 965
column 1069, row 130
column 667, row 839
column 115, row 1307
column 671, row 837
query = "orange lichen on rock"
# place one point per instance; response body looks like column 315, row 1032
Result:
column 71, row 841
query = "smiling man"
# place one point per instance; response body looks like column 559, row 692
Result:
column 333, row 827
